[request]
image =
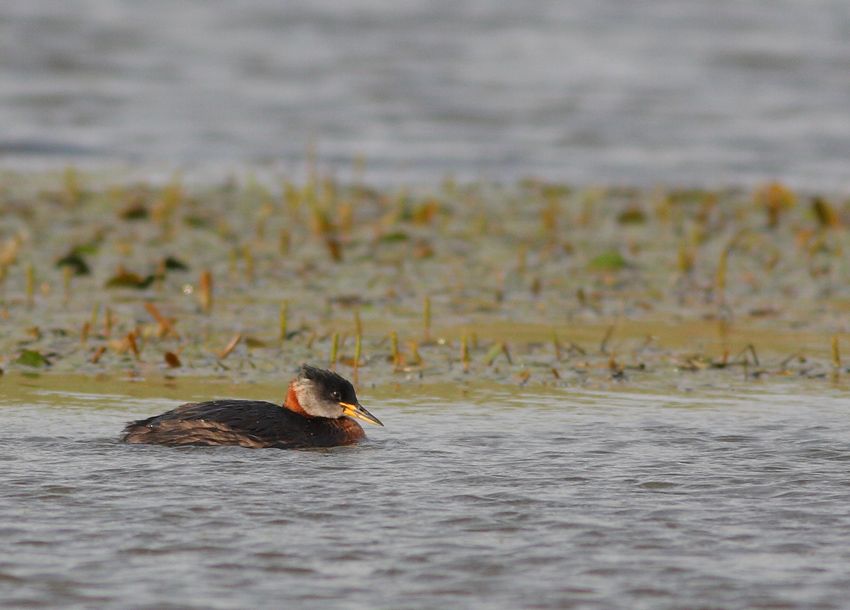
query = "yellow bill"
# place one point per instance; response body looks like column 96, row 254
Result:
column 358, row 412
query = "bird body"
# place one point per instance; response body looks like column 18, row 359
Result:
column 317, row 412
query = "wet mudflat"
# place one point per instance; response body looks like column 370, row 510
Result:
column 531, row 283
column 483, row 498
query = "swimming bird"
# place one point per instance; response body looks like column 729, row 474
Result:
column 319, row 411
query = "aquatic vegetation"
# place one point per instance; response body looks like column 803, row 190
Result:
column 529, row 283
column 611, row 260
column 776, row 199
column 74, row 260
column 31, row 358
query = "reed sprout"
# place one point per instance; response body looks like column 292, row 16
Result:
column 334, row 356
column 464, row 352
column 395, row 353
column 205, row 291
column 30, row 285
column 283, row 320
column 231, row 345
column 836, row 353
column 426, row 320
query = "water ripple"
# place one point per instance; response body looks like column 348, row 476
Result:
column 634, row 505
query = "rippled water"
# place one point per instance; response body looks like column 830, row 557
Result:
column 617, row 91
column 581, row 499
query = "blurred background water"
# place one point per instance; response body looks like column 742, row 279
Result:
column 721, row 92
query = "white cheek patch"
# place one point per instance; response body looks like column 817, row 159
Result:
column 311, row 402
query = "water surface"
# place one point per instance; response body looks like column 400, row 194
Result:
column 497, row 500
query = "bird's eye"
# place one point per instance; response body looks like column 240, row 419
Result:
column 335, row 395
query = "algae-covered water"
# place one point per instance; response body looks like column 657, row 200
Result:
column 484, row 498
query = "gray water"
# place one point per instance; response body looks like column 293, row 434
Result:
column 612, row 91
column 574, row 500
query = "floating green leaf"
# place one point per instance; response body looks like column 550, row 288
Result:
column 632, row 215
column 75, row 261
column 175, row 264
column 135, row 211
column 395, row 236
column 128, row 279
column 29, row 357
column 611, row 260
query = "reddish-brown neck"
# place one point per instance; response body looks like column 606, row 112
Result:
column 292, row 403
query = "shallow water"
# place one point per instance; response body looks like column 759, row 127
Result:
column 707, row 92
column 499, row 500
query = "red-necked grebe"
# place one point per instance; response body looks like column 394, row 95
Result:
column 317, row 412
